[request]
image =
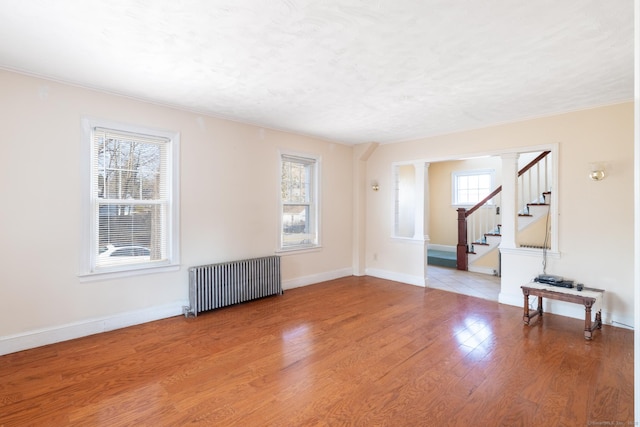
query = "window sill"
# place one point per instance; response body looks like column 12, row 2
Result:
column 131, row 272
column 298, row 250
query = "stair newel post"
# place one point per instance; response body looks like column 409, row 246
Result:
column 461, row 249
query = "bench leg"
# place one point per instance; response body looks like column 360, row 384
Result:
column 588, row 327
column 526, row 318
column 540, row 306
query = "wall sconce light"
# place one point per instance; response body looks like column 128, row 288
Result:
column 596, row 171
column 375, row 186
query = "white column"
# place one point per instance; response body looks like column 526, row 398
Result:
column 426, row 201
column 420, row 213
column 419, row 198
column 361, row 190
column 509, row 212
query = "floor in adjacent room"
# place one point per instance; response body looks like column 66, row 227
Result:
column 477, row 285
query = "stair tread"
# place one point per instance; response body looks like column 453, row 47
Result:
column 544, row 200
column 441, row 258
column 441, row 254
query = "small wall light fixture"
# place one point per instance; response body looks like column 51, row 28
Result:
column 597, row 171
column 375, row 186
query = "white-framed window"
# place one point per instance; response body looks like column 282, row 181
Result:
column 299, row 202
column 130, row 199
column 471, row 186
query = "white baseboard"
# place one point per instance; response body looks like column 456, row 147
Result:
column 445, row 248
column 397, row 277
column 316, row 278
column 482, row 270
column 510, row 299
column 560, row 308
column 574, row 311
column 45, row 336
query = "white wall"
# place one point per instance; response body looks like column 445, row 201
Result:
column 228, row 209
column 596, row 218
column 229, row 193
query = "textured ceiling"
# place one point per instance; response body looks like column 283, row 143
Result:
column 345, row 70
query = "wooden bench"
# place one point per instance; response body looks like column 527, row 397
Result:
column 589, row 297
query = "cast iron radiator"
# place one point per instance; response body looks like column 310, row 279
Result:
column 219, row 285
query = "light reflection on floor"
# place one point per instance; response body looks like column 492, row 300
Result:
column 296, row 379
column 474, row 334
column 297, row 343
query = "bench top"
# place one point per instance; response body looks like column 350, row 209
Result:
column 567, row 294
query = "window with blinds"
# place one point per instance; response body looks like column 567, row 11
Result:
column 299, row 203
column 132, row 210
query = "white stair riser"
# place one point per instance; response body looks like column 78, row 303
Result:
column 536, row 213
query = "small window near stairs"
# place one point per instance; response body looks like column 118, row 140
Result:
column 471, row 186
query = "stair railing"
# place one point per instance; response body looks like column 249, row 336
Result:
column 486, row 220
column 534, row 182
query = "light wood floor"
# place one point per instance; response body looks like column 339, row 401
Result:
column 478, row 285
column 354, row 351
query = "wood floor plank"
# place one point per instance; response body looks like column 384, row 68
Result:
column 352, row 351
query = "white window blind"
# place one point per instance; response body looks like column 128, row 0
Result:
column 130, row 198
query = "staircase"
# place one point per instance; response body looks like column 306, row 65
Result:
column 531, row 215
column 479, row 227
